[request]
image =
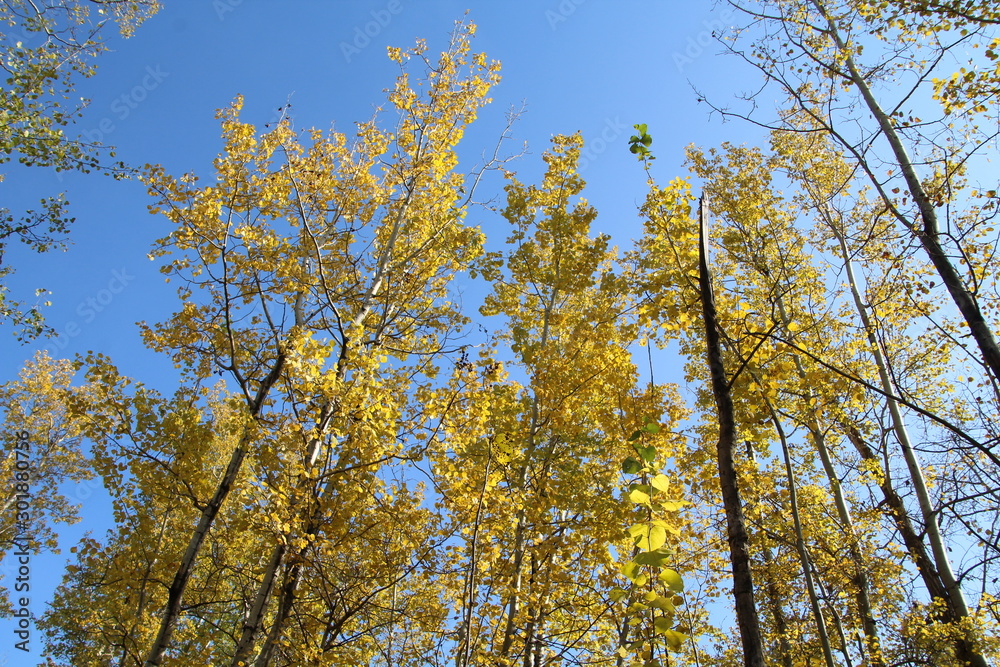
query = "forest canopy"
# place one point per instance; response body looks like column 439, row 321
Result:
column 354, row 467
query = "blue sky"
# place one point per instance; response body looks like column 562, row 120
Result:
column 591, row 66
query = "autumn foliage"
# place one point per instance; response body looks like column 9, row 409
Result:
column 354, row 469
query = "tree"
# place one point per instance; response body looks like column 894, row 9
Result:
column 557, row 445
column 743, row 590
column 45, row 48
column 305, row 266
column 788, row 329
column 790, row 333
column 348, row 474
column 840, row 66
column 814, row 53
column 42, row 452
column 281, row 521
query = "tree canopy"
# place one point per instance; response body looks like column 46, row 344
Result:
column 355, row 468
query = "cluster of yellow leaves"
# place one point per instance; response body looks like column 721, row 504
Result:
column 42, row 452
column 314, row 278
column 535, row 489
column 798, row 354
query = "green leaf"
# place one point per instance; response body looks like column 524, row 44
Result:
column 639, row 494
column 662, row 603
column 655, row 558
column 662, row 624
column 657, row 538
column 631, row 466
column 672, row 579
column 675, row 640
column 661, row 483
column 646, row 453
column 648, row 536
column 630, row 570
column 651, row 427
column 617, row 594
column 638, row 434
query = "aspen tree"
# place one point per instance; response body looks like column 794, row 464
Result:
column 819, row 55
column 844, row 355
column 955, row 598
column 561, row 447
column 674, row 272
column 767, row 249
column 305, row 266
column 42, row 451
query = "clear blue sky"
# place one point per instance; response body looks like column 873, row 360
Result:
column 592, row 66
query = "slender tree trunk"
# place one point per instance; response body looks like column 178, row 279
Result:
column 955, row 598
column 838, row 623
column 623, row 629
column 860, row 575
column 252, row 625
column 464, row 652
column 929, row 232
column 293, row 565
column 509, row 628
column 800, row 542
column 936, row 587
column 185, row 568
column 775, row 599
column 915, row 546
column 286, row 597
column 531, row 643
column 777, row 611
column 522, row 481
column 746, row 609
column 287, row 591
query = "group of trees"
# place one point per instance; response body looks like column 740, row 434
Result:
column 348, row 474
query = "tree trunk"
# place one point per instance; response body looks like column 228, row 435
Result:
column 208, row 515
column 860, row 576
column 929, row 232
column 773, row 594
column 746, row 609
column 800, row 542
column 778, row 612
column 953, row 592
